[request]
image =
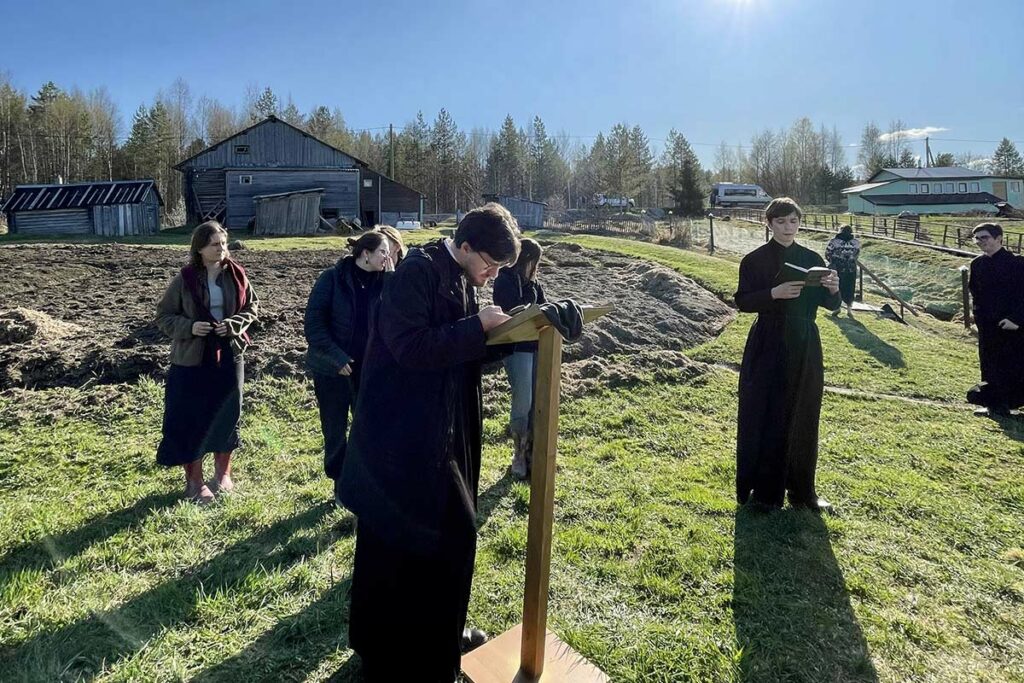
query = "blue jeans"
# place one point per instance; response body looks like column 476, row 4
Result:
column 519, row 367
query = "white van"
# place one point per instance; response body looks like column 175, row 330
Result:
column 738, row 194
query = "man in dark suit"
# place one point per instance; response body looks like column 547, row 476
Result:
column 413, row 465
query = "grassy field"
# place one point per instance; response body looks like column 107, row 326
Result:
column 656, row 576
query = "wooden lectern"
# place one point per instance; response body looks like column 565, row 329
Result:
column 528, row 651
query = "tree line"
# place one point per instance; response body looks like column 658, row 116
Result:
column 67, row 135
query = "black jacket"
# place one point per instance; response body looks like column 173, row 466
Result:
column 414, row 450
column 997, row 288
column 511, row 290
column 330, row 313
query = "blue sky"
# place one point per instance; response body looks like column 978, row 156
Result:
column 713, row 69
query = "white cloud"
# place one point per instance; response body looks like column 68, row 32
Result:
column 912, row 133
column 983, row 165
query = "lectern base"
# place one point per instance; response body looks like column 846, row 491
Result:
column 497, row 661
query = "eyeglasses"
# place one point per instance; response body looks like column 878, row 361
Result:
column 490, row 266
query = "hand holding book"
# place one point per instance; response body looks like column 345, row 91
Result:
column 813, row 276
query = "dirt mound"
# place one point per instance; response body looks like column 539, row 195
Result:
column 23, row 325
column 85, row 313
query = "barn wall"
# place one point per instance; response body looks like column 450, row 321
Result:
column 61, row 222
column 341, row 192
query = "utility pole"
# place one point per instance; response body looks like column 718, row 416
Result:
column 929, row 161
column 391, row 150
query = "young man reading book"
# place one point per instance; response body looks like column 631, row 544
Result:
column 781, row 379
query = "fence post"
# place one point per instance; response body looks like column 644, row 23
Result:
column 1019, row 236
column 967, row 296
column 711, row 225
column 945, row 229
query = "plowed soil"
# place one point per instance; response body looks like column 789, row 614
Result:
column 72, row 315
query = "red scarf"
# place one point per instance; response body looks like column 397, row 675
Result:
column 190, row 274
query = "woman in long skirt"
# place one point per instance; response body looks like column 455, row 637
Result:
column 206, row 311
column 842, row 253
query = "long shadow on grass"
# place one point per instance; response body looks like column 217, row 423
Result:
column 50, row 551
column 866, row 340
column 82, row 649
column 295, row 646
column 794, row 621
column 489, row 499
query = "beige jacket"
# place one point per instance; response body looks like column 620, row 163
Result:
column 176, row 312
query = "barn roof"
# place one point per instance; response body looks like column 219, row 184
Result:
column 270, row 119
column 80, row 195
column 941, row 172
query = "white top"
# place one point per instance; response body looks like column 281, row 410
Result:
column 216, row 297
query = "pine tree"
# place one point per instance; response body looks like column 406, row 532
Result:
column 684, row 175
column 1007, row 160
column 266, row 105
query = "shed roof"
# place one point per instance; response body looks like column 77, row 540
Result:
column 80, row 195
column 931, row 199
column 937, row 173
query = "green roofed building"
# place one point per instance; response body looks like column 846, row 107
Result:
column 934, row 190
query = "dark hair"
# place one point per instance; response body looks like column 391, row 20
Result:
column 845, row 232
column 201, row 237
column 993, row 229
column 491, row 229
column 781, row 206
column 368, row 241
column 529, row 257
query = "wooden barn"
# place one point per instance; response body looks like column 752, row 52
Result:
column 273, row 157
column 288, row 213
column 387, row 201
column 108, row 208
column 528, row 213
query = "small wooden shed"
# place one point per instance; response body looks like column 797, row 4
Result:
column 288, row 213
column 528, row 213
column 107, row 208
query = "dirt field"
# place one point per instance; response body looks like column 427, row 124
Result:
column 77, row 314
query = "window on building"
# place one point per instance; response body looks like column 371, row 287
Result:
column 913, row 188
column 245, row 180
column 975, row 187
column 949, row 188
column 924, row 188
column 241, row 149
column 937, row 188
column 1015, row 186
column 962, row 187
column 367, row 182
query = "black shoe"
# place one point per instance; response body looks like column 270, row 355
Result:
column 472, row 638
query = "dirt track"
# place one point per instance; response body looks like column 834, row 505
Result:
column 77, row 314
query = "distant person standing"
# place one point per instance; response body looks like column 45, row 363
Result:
column 206, row 311
column 842, row 253
column 517, row 286
column 782, row 377
column 997, row 294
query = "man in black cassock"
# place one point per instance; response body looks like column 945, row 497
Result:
column 782, row 378
column 997, row 294
column 412, row 469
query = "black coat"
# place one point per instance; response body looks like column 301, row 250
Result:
column 997, row 293
column 414, row 448
column 511, row 290
column 781, row 379
column 330, row 315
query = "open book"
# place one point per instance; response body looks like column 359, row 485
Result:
column 812, row 276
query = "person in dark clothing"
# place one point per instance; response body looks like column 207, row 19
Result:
column 782, row 378
column 517, row 286
column 997, row 294
column 414, row 488
column 337, row 324
column 842, row 253
column 206, row 311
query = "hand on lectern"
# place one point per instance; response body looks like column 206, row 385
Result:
column 491, row 317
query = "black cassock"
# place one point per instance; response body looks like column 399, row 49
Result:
column 781, row 379
column 997, row 292
column 412, row 471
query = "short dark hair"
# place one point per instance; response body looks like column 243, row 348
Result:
column 781, row 206
column 529, row 256
column 993, row 229
column 846, row 229
column 201, row 237
column 491, row 229
column 368, row 241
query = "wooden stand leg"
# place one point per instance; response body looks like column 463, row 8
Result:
column 542, row 500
